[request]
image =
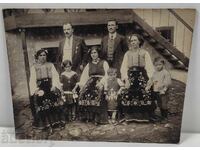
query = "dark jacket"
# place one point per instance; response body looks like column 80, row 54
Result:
column 120, row 47
column 79, row 53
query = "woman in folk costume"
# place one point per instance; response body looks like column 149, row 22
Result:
column 69, row 79
column 91, row 97
column 137, row 67
column 44, row 89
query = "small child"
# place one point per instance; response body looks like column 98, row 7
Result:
column 160, row 82
column 112, row 87
column 69, row 79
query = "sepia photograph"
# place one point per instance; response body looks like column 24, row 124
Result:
column 112, row 75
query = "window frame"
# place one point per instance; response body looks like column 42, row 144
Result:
column 171, row 28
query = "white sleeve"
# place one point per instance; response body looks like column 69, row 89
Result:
column 167, row 79
column 124, row 68
column 121, row 84
column 103, row 81
column 106, row 67
column 32, row 82
column 150, row 81
column 84, row 76
column 149, row 65
column 55, row 78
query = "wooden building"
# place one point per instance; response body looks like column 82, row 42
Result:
column 167, row 33
column 176, row 25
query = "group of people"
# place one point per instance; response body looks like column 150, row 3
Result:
column 116, row 82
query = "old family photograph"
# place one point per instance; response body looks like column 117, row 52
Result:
column 99, row 74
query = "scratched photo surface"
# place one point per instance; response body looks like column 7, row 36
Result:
column 116, row 75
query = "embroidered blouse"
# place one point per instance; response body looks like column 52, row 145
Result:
column 41, row 71
column 139, row 58
column 98, row 68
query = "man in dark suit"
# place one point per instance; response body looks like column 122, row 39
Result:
column 73, row 48
column 114, row 46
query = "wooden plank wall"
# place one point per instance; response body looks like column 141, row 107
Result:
column 163, row 18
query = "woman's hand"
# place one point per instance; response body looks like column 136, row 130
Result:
column 53, row 88
column 127, row 83
column 40, row 93
column 61, row 103
column 81, row 87
column 147, row 88
column 36, row 91
column 120, row 90
column 99, row 85
column 38, row 109
column 81, row 67
column 75, row 88
column 62, row 92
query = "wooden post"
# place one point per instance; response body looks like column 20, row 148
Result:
column 26, row 60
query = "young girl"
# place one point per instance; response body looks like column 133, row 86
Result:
column 112, row 87
column 160, row 81
column 136, row 69
column 69, row 79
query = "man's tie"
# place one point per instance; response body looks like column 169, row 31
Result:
column 112, row 37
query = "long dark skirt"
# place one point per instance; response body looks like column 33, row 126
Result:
column 45, row 104
column 136, row 103
column 92, row 103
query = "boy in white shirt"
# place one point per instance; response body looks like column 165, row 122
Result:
column 160, row 82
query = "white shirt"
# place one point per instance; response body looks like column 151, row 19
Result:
column 33, row 80
column 160, row 81
column 147, row 64
column 112, row 36
column 67, row 51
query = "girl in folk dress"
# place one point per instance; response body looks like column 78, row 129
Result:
column 91, row 97
column 44, row 89
column 69, row 79
column 137, row 67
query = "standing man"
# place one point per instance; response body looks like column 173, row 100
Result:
column 114, row 46
column 72, row 48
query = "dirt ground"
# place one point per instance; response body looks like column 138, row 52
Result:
column 133, row 132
